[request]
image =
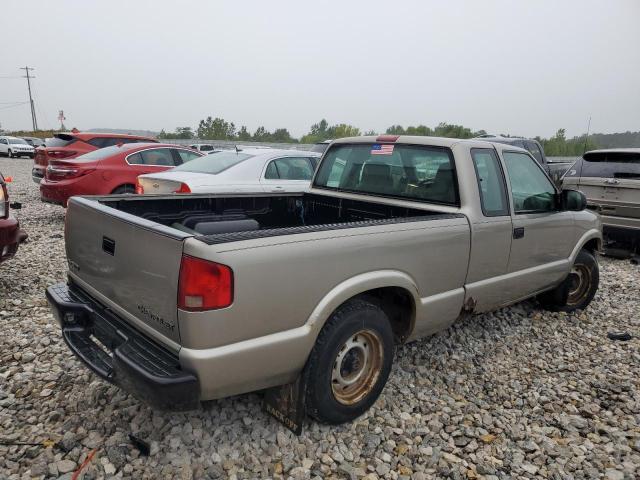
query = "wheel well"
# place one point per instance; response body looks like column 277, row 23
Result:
column 397, row 303
column 592, row 245
column 124, row 185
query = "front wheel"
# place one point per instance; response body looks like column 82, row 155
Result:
column 578, row 289
column 124, row 189
column 10, row 154
column 350, row 363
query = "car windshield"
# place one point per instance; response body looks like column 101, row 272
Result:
column 17, row 141
column 406, row 171
column 213, row 163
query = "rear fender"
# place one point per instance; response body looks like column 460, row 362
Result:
column 355, row 286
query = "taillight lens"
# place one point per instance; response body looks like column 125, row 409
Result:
column 4, row 201
column 139, row 187
column 61, row 154
column 184, row 188
column 54, row 172
column 204, row 285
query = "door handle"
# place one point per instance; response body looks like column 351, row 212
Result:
column 277, row 189
column 518, row 232
column 612, row 181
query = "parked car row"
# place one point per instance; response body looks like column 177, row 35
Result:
column 15, row 147
column 226, row 281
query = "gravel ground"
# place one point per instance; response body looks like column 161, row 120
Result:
column 520, row 393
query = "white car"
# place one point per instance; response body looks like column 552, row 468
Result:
column 245, row 171
column 15, row 147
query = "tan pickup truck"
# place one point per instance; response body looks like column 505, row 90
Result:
column 183, row 298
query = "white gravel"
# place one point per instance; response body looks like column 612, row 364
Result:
column 521, row 393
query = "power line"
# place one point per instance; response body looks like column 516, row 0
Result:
column 11, row 106
column 33, row 109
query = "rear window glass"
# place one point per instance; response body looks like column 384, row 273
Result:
column 406, row 171
column 60, row 141
column 611, row 165
column 213, row 163
column 98, row 154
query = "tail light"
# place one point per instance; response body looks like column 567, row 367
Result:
column 56, row 172
column 139, row 187
column 4, row 201
column 61, row 154
column 184, row 188
column 204, row 285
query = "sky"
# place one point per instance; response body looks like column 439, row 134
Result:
column 516, row 67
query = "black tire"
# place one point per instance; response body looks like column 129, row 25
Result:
column 9, row 154
column 357, row 336
column 124, row 189
column 578, row 289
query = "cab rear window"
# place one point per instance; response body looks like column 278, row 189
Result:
column 413, row 172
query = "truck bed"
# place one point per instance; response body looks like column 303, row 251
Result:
column 216, row 219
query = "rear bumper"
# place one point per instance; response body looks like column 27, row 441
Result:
column 55, row 193
column 120, row 354
column 10, row 238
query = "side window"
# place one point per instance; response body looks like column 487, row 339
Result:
column 135, row 159
column 493, row 195
column 186, row 155
column 532, row 191
column 272, row 171
column 533, row 149
column 290, row 168
column 160, row 157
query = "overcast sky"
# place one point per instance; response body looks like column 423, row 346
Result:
column 524, row 68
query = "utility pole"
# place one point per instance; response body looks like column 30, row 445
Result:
column 33, row 108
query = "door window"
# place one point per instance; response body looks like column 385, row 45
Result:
column 531, row 190
column 289, row 168
column 493, row 195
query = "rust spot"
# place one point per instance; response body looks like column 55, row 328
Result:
column 470, row 305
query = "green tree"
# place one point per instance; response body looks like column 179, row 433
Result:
column 395, row 130
column 216, row 129
column 243, row 134
column 370, row 133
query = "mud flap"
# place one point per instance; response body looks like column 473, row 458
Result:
column 286, row 404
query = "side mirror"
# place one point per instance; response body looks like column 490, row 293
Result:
column 573, row 201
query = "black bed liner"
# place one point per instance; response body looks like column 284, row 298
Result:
column 276, row 232
column 216, row 219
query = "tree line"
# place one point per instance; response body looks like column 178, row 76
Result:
column 220, row 129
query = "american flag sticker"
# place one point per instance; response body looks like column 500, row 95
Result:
column 381, row 149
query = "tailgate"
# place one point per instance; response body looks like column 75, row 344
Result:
column 133, row 262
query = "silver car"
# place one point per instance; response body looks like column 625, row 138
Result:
column 15, row 147
column 253, row 170
column 611, row 181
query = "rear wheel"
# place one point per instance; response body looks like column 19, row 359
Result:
column 350, row 363
column 578, row 289
column 124, row 189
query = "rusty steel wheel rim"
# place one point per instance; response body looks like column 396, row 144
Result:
column 580, row 278
column 357, row 367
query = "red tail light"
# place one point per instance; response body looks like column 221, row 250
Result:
column 55, row 172
column 184, row 188
column 139, row 188
column 61, row 154
column 204, row 285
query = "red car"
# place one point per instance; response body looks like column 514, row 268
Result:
column 109, row 170
column 10, row 234
column 64, row 146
